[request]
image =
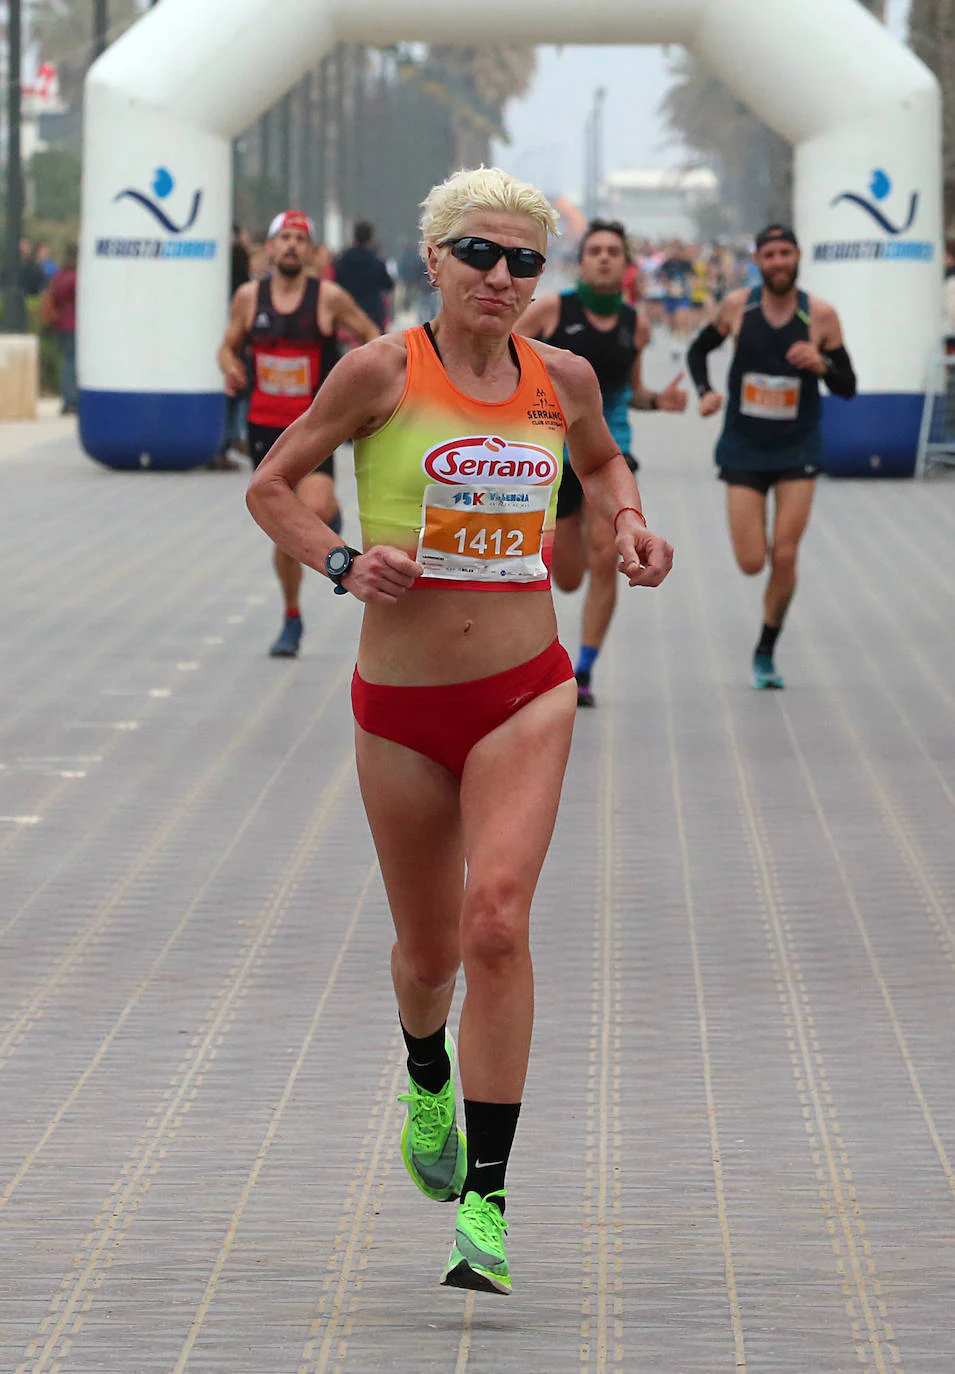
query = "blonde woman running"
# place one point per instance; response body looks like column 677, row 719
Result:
column 464, row 699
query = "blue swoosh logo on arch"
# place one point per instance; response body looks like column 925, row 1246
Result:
column 877, row 214
column 158, row 214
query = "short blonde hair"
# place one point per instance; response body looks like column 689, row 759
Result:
column 482, row 188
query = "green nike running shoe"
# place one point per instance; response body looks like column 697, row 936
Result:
column 432, row 1146
column 477, row 1258
column 765, row 675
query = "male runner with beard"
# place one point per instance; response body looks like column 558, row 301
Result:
column 289, row 322
column 786, row 342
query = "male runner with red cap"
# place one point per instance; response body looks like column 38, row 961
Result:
column 289, row 321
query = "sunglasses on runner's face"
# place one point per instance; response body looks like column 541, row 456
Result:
column 484, row 254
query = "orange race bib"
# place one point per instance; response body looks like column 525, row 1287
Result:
column 770, row 398
column 483, row 533
column 279, row 376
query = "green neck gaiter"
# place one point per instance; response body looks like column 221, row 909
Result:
column 599, row 302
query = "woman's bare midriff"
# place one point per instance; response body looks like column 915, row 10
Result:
column 435, row 637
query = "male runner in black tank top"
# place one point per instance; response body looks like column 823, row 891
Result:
column 593, row 321
column 786, row 342
column 289, row 321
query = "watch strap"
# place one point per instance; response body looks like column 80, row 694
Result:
column 336, row 578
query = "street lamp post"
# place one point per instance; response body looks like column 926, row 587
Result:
column 14, row 304
column 100, row 28
column 593, row 154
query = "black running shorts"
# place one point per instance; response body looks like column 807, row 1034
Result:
column 763, row 480
column 261, row 439
column 570, row 497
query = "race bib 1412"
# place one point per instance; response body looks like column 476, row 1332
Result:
column 483, row 533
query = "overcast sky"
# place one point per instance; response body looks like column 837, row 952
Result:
column 547, row 127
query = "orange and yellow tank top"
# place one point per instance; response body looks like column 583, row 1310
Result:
column 467, row 487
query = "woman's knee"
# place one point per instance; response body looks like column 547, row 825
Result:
column 495, row 923
column 430, row 966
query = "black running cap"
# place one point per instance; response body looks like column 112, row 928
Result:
column 776, row 233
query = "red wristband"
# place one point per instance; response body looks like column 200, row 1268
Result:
column 638, row 513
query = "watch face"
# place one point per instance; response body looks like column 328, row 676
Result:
column 338, row 562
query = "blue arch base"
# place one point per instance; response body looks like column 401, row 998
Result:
column 152, row 429
column 874, row 435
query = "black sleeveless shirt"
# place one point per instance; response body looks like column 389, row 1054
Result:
column 773, row 409
column 611, row 354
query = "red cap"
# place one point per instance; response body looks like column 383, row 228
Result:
column 291, row 219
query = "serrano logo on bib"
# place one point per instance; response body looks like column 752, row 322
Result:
column 484, row 458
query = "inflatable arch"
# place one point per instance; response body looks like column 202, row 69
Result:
column 164, row 102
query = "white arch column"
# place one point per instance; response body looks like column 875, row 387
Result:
column 165, row 101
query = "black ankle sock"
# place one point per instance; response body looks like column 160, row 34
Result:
column 767, row 640
column 490, row 1130
column 428, row 1061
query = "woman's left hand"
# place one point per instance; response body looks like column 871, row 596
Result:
column 645, row 558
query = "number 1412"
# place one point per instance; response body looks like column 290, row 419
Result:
column 490, row 545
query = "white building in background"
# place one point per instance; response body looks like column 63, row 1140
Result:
column 658, row 204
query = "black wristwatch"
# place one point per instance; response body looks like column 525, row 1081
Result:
column 338, row 563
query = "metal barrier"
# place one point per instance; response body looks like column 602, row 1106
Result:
column 937, row 436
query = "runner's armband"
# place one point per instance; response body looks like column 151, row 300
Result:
column 839, row 376
column 705, row 342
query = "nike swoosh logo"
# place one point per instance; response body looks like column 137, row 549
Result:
column 573, row 329
column 492, row 1165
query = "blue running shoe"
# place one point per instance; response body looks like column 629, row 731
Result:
column 585, row 696
column 286, row 646
column 765, row 676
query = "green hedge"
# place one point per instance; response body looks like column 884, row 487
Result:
column 49, row 353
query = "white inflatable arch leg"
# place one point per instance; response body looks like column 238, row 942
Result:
column 164, row 102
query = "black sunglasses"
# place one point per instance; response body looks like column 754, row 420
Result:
column 484, row 254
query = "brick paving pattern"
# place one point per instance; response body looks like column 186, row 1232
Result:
column 738, row 1145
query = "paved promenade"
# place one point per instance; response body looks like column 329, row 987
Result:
column 738, row 1144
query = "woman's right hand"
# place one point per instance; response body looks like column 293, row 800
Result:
column 382, row 575
column 710, row 403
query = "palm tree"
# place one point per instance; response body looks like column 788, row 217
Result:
column 479, row 83
column 754, row 164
